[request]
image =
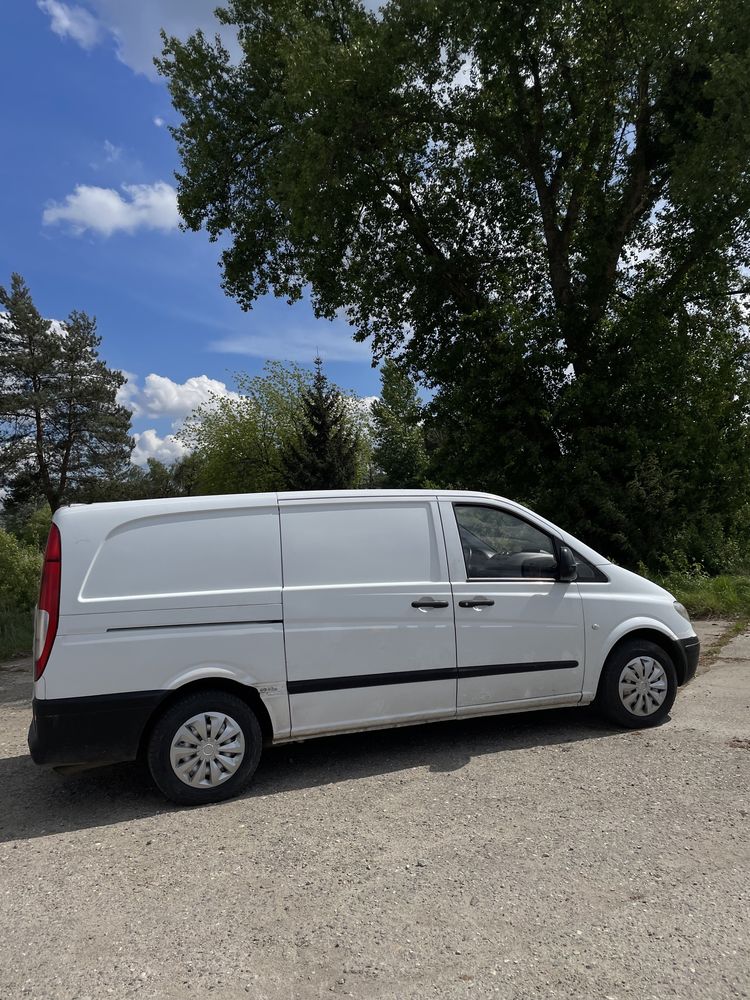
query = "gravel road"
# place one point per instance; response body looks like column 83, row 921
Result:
column 523, row 856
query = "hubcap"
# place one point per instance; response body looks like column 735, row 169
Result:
column 207, row 749
column 643, row 685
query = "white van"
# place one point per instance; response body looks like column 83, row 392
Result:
column 195, row 630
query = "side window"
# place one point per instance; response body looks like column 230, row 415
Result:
column 498, row 544
column 586, row 572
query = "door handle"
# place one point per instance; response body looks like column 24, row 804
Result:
column 476, row 602
column 427, row 602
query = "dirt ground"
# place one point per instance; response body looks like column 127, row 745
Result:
column 538, row 856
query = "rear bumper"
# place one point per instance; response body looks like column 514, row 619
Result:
column 691, row 649
column 102, row 729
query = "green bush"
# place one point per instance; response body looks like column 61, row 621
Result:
column 703, row 595
column 16, row 630
column 35, row 530
column 20, row 569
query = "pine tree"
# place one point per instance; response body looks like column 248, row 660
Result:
column 399, row 452
column 324, row 454
column 60, row 424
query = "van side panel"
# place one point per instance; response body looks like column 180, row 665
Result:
column 363, row 647
column 156, row 595
column 116, row 559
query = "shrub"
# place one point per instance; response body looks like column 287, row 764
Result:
column 20, row 569
column 16, row 630
column 35, row 530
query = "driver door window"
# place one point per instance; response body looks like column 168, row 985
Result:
column 499, row 545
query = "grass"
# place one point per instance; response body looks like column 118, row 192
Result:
column 710, row 596
column 16, row 631
column 712, row 649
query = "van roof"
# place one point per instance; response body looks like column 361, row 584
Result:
column 224, row 500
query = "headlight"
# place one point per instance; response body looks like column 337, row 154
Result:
column 681, row 610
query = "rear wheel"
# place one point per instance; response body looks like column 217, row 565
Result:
column 204, row 748
column 638, row 685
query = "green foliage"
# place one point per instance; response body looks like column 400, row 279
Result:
column 60, row 424
column 180, row 479
column 35, row 530
column 545, row 209
column 322, row 454
column 152, row 482
column 240, row 444
column 237, row 442
column 20, row 570
column 16, row 630
column 399, row 453
column 703, row 596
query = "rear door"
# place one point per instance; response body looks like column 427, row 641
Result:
column 519, row 630
column 368, row 613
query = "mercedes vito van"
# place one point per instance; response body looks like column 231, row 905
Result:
column 196, row 630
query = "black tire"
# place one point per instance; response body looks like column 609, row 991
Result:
column 167, row 727
column 608, row 699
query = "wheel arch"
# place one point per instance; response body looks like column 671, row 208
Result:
column 667, row 642
column 248, row 694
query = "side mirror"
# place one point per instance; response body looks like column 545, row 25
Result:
column 568, row 566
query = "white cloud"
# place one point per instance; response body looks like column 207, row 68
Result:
column 161, row 396
column 134, row 26
column 72, row 22
column 105, row 211
column 158, row 121
column 331, row 342
column 127, row 394
column 165, row 398
column 112, row 153
column 148, row 444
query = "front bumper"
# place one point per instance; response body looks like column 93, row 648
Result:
column 691, row 649
column 103, row 729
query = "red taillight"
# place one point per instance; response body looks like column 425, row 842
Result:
column 48, row 609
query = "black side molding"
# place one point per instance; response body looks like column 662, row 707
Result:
column 415, row 676
column 370, row 680
column 148, row 628
column 516, row 668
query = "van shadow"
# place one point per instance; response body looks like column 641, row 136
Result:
column 37, row 802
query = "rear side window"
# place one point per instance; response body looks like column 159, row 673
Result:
column 338, row 544
column 498, row 544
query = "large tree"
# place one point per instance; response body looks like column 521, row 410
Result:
column 61, row 427
column 399, row 453
column 323, row 452
column 243, row 442
column 237, row 441
column 540, row 205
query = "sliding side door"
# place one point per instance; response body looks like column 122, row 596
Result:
column 368, row 613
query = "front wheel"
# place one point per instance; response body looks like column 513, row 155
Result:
column 638, row 685
column 204, row 748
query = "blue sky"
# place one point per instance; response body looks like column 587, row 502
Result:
column 89, row 217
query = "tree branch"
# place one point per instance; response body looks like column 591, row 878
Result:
column 639, row 197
